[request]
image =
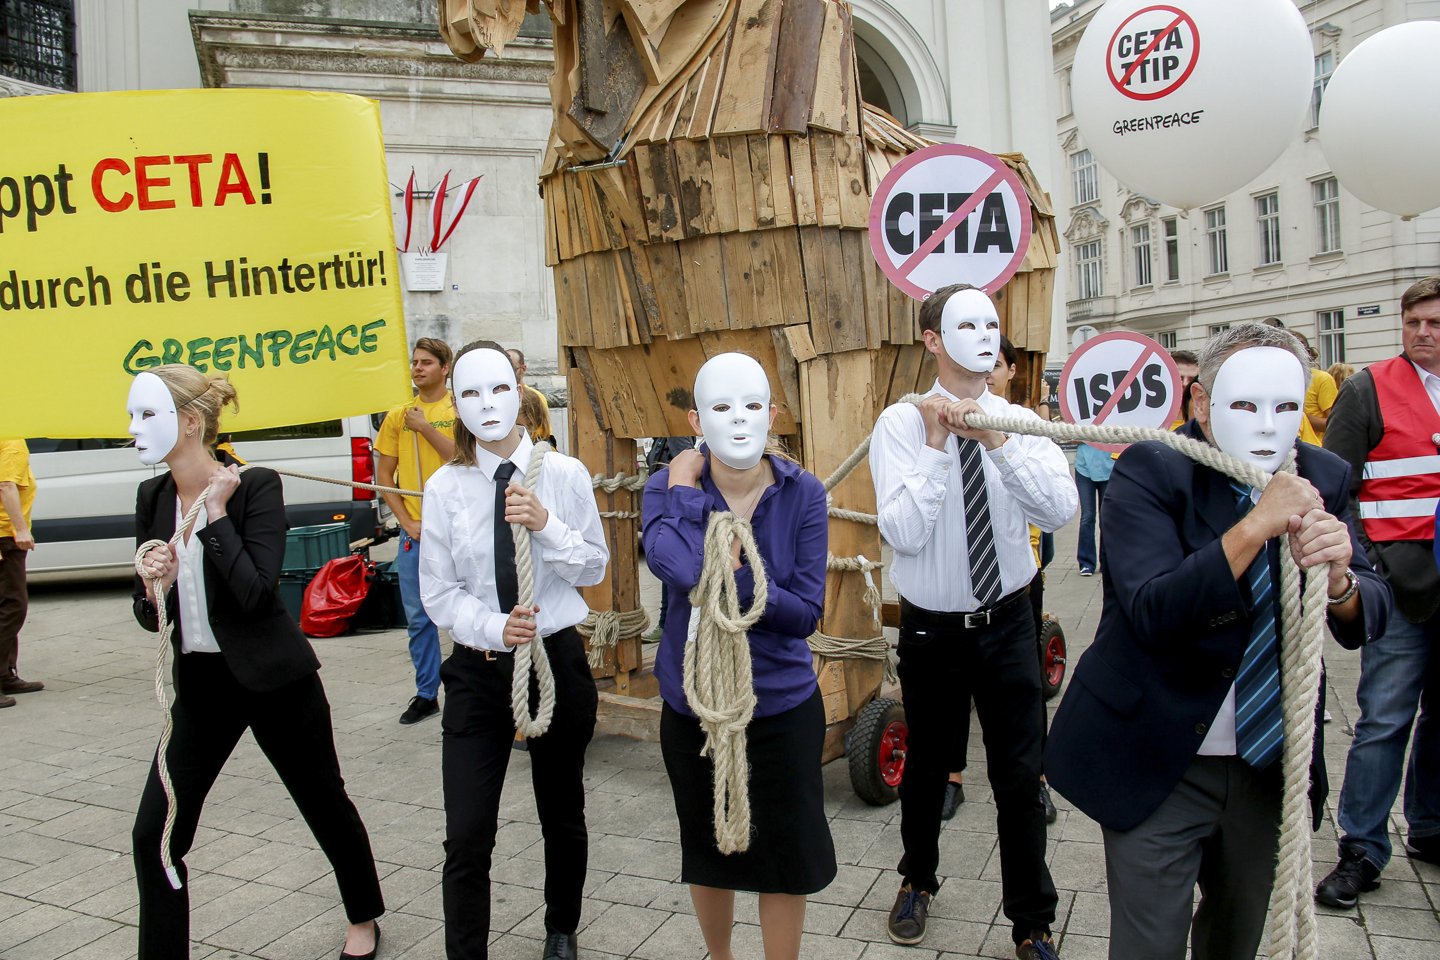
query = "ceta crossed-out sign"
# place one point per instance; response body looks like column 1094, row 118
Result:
column 1153, row 52
column 950, row 214
column 1120, row 379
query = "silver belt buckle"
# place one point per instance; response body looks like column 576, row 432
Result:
column 980, row 618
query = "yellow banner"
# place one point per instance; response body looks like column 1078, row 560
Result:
column 241, row 231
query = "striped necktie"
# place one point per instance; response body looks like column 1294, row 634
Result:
column 984, row 564
column 1259, row 721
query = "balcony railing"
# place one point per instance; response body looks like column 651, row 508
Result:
column 37, row 42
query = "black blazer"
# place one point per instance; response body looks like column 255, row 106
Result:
column 261, row 643
column 1173, row 629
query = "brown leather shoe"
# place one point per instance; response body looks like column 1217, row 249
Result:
column 7, row 701
column 13, row 684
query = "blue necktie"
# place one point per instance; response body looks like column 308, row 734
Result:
column 1259, row 722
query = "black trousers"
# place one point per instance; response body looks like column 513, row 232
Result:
column 941, row 664
column 14, row 602
column 292, row 726
column 477, row 734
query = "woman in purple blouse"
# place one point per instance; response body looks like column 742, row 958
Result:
column 790, row 854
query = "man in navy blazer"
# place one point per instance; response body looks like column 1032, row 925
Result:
column 1168, row 735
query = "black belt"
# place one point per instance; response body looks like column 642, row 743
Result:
column 972, row 620
column 493, row 655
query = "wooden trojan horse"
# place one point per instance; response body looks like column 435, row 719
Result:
column 707, row 189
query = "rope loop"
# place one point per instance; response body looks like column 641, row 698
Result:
column 530, row 658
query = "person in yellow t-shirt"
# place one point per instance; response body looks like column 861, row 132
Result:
column 17, row 494
column 1319, row 399
column 538, row 423
column 416, row 439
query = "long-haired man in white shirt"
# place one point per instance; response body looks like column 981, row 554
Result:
column 955, row 505
column 468, row 582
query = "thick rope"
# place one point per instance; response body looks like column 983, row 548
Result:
column 846, row 648
column 620, row 481
column 606, row 628
column 718, row 677
column 530, row 657
column 374, row 487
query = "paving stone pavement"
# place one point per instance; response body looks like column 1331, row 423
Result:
column 76, row 755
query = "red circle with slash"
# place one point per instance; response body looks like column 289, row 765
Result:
column 1120, row 379
column 1153, row 52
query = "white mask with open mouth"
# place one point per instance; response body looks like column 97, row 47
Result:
column 487, row 398
column 1256, row 404
column 732, row 396
column 970, row 330
column 154, row 423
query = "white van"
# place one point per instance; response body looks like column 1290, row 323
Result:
column 84, row 513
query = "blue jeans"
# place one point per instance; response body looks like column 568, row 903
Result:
column 1091, row 493
column 424, row 635
column 1398, row 671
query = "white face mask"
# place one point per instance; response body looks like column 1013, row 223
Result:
column 970, row 330
column 486, row 396
column 733, row 398
column 1256, row 404
column 153, row 421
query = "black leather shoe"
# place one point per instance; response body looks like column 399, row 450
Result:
column 954, row 796
column 1424, row 848
column 1051, row 814
column 907, row 918
column 561, row 946
column 1352, row 876
column 364, row 956
column 419, row 709
column 1038, row 946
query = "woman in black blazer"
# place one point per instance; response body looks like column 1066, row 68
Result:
column 240, row 660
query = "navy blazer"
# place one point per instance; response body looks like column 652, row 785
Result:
column 1173, row 629
column 261, row 643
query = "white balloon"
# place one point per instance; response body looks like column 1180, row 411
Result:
column 1380, row 120
column 1219, row 95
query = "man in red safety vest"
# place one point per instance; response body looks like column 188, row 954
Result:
column 1386, row 422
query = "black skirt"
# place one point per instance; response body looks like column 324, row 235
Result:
column 790, row 846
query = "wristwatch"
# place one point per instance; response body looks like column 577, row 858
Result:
column 1354, row 584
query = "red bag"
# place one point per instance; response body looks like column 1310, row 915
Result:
column 333, row 597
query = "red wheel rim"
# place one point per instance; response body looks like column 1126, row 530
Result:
column 1055, row 660
column 892, row 752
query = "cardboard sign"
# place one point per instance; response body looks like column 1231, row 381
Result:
column 1120, row 379
column 1153, row 52
column 950, row 214
column 241, row 231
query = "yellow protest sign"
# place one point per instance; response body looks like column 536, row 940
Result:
column 241, row 231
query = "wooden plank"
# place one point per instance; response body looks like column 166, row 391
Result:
column 642, row 166
column 834, row 746
column 790, row 271
column 620, row 203
column 877, row 304
column 706, row 299
column 637, row 325
column 850, row 119
column 690, row 181
column 744, row 313
column 727, row 215
column 787, row 371
column 605, row 302
column 744, row 103
column 863, row 677
column 642, row 282
column 630, row 400
column 780, row 181
column 671, row 365
column 845, row 291
column 668, row 282
column 758, row 147
column 797, row 63
column 745, row 212
column 662, row 170
column 552, row 241
column 854, row 195
column 904, row 327
column 812, row 254
column 705, row 172
column 802, row 181
column 766, row 279
column 802, row 347
column 827, row 179
column 827, row 111
column 572, row 303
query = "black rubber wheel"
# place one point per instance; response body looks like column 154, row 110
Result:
column 876, row 752
column 1052, row 657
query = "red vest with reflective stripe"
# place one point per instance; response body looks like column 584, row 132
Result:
column 1400, row 487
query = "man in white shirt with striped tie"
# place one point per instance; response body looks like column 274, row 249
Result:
column 955, row 505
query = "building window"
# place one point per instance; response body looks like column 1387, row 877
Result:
column 1088, row 270
column 1216, row 242
column 1169, row 339
column 1267, row 216
column 37, row 42
column 1085, row 174
column 1324, row 67
column 1331, row 324
column 1140, row 253
column 1218, row 328
column 1172, row 249
column 1327, row 215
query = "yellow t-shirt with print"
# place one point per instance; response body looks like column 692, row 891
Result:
column 1319, row 398
column 399, row 441
column 15, row 468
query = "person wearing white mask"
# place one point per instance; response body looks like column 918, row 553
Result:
column 740, row 471
column 1170, row 731
column 241, row 661
column 470, row 587
column 955, row 505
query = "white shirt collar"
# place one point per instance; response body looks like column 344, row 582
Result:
column 987, row 400
column 489, row 462
column 1426, row 377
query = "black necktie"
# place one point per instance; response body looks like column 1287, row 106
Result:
column 507, row 583
column 984, row 563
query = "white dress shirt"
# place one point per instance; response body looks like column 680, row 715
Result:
column 1431, row 382
column 195, row 633
column 922, row 510
column 457, row 546
column 1220, row 738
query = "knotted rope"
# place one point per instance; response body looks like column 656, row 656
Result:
column 717, row 678
column 530, row 657
column 606, row 628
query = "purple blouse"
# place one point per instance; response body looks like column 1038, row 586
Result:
column 792, row 532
